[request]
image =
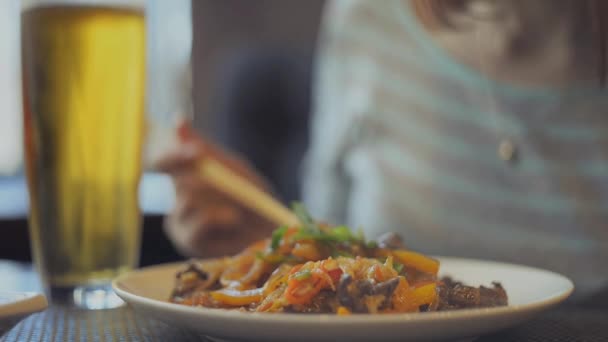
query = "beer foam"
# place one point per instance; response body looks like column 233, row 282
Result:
column 134, row 4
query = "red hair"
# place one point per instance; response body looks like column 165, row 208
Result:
column 434, row 14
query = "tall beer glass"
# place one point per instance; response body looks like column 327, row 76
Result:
column 83, row 64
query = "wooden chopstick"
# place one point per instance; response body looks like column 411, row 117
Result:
column 241, row 189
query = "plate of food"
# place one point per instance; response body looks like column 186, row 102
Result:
column 314, row 281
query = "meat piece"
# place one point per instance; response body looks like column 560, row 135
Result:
column 464, row 296
column 476, row 297
column 453, row 295
column 385, row 288
column 200, row 274
column 390, row 241
column 345, row 297
column 490, row 297
column 324, row 302
column 443, row 299
column 424, row 308
column 188, row 280
column 449, row 282
column 353, row 295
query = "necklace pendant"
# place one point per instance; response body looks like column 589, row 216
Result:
column 507, row 150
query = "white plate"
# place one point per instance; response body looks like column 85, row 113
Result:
column 530, row 291
column 15, row 306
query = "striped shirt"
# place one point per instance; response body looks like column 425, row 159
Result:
column 407, row 139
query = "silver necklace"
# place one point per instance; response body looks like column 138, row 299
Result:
column 506, row 150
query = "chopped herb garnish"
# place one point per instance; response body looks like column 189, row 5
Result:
column 371, row 244
column 398, row 267
column 342, row 234
column 330, row 236
column 360, row 235
column 337, row 234
column 302, row 275
column 307, row 221
column 277, row 235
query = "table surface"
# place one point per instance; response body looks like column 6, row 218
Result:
column 567, row 323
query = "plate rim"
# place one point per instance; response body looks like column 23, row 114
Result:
column 535, row 306
column 32, row 303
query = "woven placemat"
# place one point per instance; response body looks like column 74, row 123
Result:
column 68, row 324
column 557, row 326
column 59, row 324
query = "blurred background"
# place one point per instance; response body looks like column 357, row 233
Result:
column 230, row 65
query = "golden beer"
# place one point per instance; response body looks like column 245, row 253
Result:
column 84, row 85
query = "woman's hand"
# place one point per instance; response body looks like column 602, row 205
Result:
column 204, row 221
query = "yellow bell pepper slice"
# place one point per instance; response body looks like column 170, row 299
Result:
column 417, row 261
column 231, row 297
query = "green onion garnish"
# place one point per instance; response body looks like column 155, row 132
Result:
column 302, row 275
column 398, row 267
column 277, row 235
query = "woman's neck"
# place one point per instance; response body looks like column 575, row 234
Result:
column 540, row 42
